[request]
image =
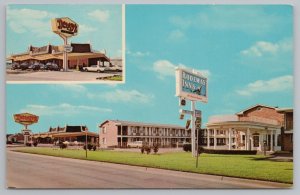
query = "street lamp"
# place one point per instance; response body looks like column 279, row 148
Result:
column 86, row 131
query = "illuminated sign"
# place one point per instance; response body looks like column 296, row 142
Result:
column 26, row 118
column 191, row 85
column 64, row 27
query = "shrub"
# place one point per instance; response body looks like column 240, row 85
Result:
column 187, row 147
column 142, row 149
column 35, row 144
column 28, row 144
column 8, row 142
column 94, row 147
column 241, row 152
column 90, row 146
column 63, row 146
column 200, row 150
column 155, row 148
column 148, row 149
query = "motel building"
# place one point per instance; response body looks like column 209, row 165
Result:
column 82, row 55
column 117, row 133
column 68, row 133
column 251, row 129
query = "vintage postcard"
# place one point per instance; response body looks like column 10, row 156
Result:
column 64, row 43
column 207, row 101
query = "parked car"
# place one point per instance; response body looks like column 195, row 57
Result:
column 115, row 68
column 95, row 68
column 135, row 144
column 35, row 66
column 24, row 65
column 15, row 66
column 43, row 67
column 52, row 66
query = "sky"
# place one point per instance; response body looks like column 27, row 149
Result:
column 246, row 52
column 100, row 25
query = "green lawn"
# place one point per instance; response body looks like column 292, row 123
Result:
column 115, row 78
column 244, row 166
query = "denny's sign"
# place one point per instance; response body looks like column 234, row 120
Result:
column 64, row 27
column 26, row 118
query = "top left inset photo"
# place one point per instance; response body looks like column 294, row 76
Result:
column 65, row 43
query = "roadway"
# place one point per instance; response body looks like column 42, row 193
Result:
column 37, row 171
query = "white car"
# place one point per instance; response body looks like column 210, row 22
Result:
column 94, row 68
column 115, row 68
column 136, row 144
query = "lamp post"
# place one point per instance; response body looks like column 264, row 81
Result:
column 86, row 131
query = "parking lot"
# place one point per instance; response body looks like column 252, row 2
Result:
column 46, row 76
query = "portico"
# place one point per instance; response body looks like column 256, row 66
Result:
column 241, row 135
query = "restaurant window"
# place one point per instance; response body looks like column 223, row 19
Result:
column 104, row 129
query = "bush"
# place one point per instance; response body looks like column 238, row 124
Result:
column 89, row 147
column 35, row 144
column 241, row 152
column 28, row 144
column 62, row 145
column 148, row 149
column 142, row 149
column 94, row 147
column 155, row 148
column 187, row 147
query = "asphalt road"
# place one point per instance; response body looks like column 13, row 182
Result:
column 36, row 171
column 57, row 76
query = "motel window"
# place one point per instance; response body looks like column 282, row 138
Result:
column 256, row 141
column 104, row 140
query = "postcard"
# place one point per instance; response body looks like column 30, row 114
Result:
column 207, row 102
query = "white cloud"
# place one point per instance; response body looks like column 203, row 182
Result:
column 278, row 84
column 64, row 109
column 247, row 19
column 176, row 35
column 165, row 68
column 262, row 48
column 122, row 96
column 37, row 22
column 137, row 53
column 100, row 15
column 86, row 29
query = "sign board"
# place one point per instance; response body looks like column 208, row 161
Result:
column 26, row 118
column 64, row 27
column 197, row 112
column 191, row 85
column 68, row 48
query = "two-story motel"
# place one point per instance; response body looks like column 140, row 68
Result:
column 254, row 128
column 117, row 133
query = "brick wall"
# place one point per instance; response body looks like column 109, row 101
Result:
column 262, row 112
column 110, row 135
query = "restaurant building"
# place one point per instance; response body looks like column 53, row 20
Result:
column 81, row 55
column 66, row 133
column 117, row 133
column 254, row 128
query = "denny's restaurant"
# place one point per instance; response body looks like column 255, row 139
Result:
column 81, row 55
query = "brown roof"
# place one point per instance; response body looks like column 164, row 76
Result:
column 132, row 123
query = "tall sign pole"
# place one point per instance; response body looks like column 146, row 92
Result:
column 191, row 85
column 65, row 28
column 26, row 119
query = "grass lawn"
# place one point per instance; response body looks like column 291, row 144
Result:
column 115, row 78
column 244, row 166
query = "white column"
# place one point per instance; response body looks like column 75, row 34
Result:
column 226, row 136
column 248, row 139
column 276, row 138
column 215, row 138
column 272, row 147
column 261, row 142
column 229, row 139
column 208, row 140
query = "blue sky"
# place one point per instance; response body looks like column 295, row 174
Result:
column 245, row 51
column 101, row 25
